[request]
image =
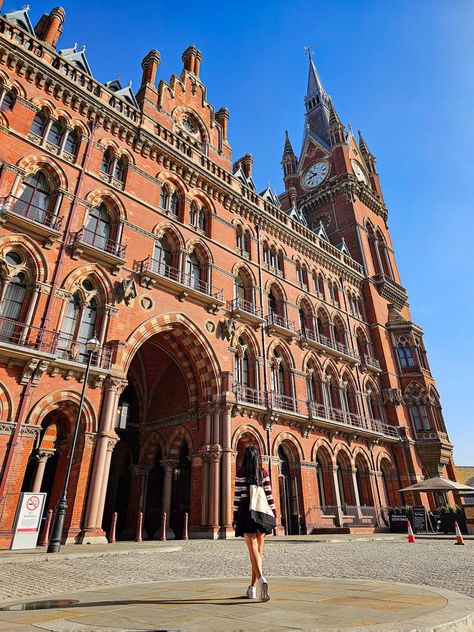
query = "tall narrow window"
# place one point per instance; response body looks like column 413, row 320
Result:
column 405, row 355
column 202, row 220
column 119, row 171
column 35, row 198
column 8, row 102
column 39, row 124
column 272, row 304
column 194, row 271
column 97, row 231
column 320, row 477
column 193, row 213
column 164, row 197
column 72, row 143
column 55, row 134
column 162, row 257
column 419, row 417
column 174, row 203
column 107, row 160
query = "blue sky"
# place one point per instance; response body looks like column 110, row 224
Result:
column 400, row 71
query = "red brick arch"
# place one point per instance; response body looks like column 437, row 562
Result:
column 33, row 163
column 32, row 251
column 68, row 402
column 188, row 341
column 247, row 429
column 97, row 273
column 6, row 405
column 149, row 450
column 173, row 446
column 289, row 439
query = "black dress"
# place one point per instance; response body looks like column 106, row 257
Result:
column 243, row 519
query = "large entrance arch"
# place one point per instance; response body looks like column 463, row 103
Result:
column 172, row 380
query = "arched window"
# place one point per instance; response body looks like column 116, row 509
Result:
column 194, row 272
column 278, row 374
column 350, row 398
column 419, row 416
column 242, row 366
column 202, row 220
column 97, row 231
column 198, row 217
column 174, row 203
column 319, row 284
column 320, row 479
column 333, row 393
column 72, row 142
column 240, row 289
column 13, row 303
column 107, row 161
column 243, row 242
column 120, row 168
column 405, row 355
column 273, row 304
column 373, row 404
column 55, row 134
column 8, row 101
column 35, row 199
column 334, row 293
column 39, row 123
column 164, row 196
column 163, row 257
column 314, row 388
column 340, row 332
column 80, row 323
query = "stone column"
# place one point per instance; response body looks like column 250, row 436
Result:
column 42, row 457
column 205, row 489
column 215, row 458
column 167, row 489
column 337, row 496
column 100, row 469
column 226, row 470
column 356, row 491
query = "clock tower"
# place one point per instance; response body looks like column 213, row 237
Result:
column 334, row 184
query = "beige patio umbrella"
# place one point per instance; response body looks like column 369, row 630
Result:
column 438, row 484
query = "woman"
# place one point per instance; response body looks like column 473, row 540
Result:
column 251, row 474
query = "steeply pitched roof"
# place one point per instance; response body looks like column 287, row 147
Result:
column 77, row 57
column 21, row 19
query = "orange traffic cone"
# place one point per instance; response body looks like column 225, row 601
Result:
column 411, row 537
column 459, row 538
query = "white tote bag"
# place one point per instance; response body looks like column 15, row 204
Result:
column 260, row 509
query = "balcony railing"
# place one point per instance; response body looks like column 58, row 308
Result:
column 241, row 305
column 36, row 338
column 372, row 362
column 188, row 280
column 75, row 351
column 312, row 410
column 20, row 207
column 280, row 321
column 89, row 238
column 249, row 395
column 324, row 341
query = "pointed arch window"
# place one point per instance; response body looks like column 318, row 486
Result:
column 79, row 325
column 314, row 388
column 242, row 365
column 98, row 229
column 320, row 479
column 12, row 306
column 319, row 284
column 194, row 272
column 272, row 304
column 278, row 375
column 35, row 199
column 107, row 161
column 39, row 123
column 163, row 257
column 419, row 416
column 120, row 169
column 174, row 203
column 164, row 196
column 405, row 355
column 55, row 134
column 8, row 101
column 72, row 143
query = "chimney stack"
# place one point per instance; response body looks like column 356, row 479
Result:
column 222, row 117
column 192, row 59
column 150, row 65
column 54, row 26
column 247, row 162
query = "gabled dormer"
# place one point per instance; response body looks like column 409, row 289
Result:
column 77, row 58
column 21, row 19
column 125, row 93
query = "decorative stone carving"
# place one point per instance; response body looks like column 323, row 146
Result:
column 128, row 291
column 392, row 396
column 228, row 328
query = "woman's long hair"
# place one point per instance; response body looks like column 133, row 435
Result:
column 251, row 465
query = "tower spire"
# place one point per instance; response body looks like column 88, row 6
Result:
column 317, row 105
column 288, row 160
column 367, row 155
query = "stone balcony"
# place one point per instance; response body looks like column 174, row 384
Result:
column 316, row 340
column 280, row 326
column 246, row 311
column 85, row 243
column 32, row 219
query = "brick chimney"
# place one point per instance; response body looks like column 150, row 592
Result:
column 53, row 27
column 150, row 65
column 222, row 117
column 247, row 162
column 192, row 59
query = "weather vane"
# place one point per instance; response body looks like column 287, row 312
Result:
column 309, row 51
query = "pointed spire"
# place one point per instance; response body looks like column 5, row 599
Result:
column 337, row 132
column 367, row 155
column 288, row 159
column 316, row 102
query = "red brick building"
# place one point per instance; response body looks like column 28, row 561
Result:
column 225, row 316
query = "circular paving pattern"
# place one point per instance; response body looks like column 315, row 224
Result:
column 219, row 605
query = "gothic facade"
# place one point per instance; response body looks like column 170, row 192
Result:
column 226, row 317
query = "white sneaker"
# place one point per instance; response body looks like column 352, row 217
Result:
column 262, row 590
column 251, row 592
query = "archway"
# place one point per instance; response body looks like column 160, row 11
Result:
column 366, row 498
column 289, row 480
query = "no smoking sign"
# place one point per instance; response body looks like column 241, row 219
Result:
column 32, row 503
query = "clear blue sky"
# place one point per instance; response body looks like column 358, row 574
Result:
column 400, row 71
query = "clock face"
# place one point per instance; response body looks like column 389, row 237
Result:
column 359, row 172
column 316, row 174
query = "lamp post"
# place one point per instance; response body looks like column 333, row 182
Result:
column 92, row 346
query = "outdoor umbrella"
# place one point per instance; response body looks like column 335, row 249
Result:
column 438, row 484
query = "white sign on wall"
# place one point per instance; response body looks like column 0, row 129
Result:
column 28, row 520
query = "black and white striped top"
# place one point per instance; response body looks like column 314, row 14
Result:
column 242, row 489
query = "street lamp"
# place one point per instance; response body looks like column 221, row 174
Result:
column 92, row 346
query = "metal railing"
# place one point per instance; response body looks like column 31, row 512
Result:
column 17, row 206
column 240, row 304
column 89, row 237
column 249, row 395
column 351, row 419
column 15, row 333
column 280, row 321
column 369, row 361
column 314, row 336
column 75, row 351
column 188, row 280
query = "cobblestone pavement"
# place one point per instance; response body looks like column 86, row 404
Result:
column 433, row 563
